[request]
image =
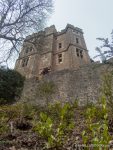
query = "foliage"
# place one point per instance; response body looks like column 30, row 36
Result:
column 28, row 111
column 6, row 114
column 11, row 83
column 97, row 116
column 55, row 122
column 44, row 128
column 97, row 132
column 20, row 18
column 18, row 114
column 106, row 50
column 107, row 89
column 45, row 90
column 4, row 128
column 55, row 133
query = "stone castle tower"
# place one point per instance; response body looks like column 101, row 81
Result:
column 50, row 51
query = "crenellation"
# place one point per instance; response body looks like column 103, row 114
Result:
column 50, row 30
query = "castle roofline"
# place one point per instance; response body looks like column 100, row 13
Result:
column 52, row 30
column 71, row 27
column 74, row 28
column 30, row 37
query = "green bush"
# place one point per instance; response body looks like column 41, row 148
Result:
column 11, row 83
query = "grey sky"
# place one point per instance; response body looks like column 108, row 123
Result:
column 95, row 17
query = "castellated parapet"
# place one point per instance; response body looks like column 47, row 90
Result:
column 50, row 51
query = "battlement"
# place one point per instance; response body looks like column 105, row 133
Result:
column 50, row 30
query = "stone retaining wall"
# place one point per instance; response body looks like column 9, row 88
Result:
column 82, row 84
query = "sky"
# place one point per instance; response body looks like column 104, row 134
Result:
column 95, row 17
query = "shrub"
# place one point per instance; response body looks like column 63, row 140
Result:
column 11, row 83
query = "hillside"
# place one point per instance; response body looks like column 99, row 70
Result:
column 55, row 127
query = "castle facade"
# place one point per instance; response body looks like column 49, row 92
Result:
column 49, row 51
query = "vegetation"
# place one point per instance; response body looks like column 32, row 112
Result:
column 97, row 117
column 106, row 50
column 11, row 83
column 53, row 128
column 20, row 18
column 107, row 89
column 55, row 132
column 56, row 126
column 45, row 90
column 97, row 125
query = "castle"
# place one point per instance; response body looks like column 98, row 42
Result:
column 50, row 51
column 61, row 58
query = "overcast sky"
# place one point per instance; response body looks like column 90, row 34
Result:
column 95, row 17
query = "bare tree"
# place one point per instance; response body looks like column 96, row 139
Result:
column 19, row 18
column 106, row 50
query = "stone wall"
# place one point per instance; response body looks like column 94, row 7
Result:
column 82, row 84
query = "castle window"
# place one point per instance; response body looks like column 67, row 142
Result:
column 77, row 52
column 25, row 62
column 77, row 40
column 59, row 58
column 60, row 45
column 81, row 54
